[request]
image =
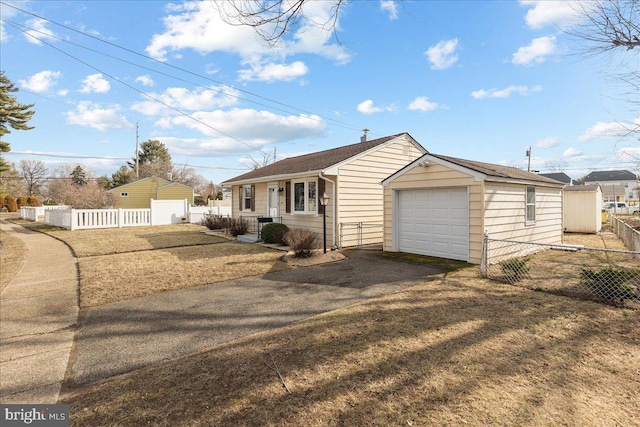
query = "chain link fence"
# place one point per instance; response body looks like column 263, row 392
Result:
column 605, row 275
column 360, row 234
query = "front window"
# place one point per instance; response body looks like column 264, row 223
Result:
column 247, row 198
column 530, row 214
column 305, row 198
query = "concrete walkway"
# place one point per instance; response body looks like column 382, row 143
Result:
column 38, row 314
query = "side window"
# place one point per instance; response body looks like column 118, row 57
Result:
column 124, row 194
column 530, row 211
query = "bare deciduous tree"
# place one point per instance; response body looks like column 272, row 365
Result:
column 267, row 157
column 91, row 195
column 272, row 20
column 34, row 174
column 609, row 24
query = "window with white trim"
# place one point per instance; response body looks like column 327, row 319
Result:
column 246, row 197
column 305, row 197
column 530, row 210
column 124, row 194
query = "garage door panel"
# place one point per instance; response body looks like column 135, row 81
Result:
column 434, row 222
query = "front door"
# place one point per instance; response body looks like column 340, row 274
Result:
column 273, row 201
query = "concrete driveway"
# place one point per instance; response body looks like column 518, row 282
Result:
column 125, row 336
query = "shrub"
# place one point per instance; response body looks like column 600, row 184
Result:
column 21, row 201
column 11, row 204
column 238, row 226
column 33, row 201
column 216, row 222
column 612, row 284
column 515, row 269
column 274, row 232
column 302, row 241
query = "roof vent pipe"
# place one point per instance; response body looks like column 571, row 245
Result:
column 363, row 138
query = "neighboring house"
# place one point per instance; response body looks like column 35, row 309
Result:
column 617, row 185
column 558, row 176
column 138, row 194
column 290, row 188
column 442, row 206
column 582, row 208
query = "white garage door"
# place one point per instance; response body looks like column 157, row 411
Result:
column 434, row 222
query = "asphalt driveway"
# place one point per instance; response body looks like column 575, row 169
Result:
column 128, row 335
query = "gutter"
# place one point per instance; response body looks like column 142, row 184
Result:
column 333, row 206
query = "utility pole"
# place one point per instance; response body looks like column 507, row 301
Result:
column 529, row 161
column 274, row 154
column 137, row 150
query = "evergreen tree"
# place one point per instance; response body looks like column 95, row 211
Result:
column 12, row 114
column 153, row 159
column 78, row 176
column 122, row 176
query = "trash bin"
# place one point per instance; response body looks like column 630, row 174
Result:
column 605, row 215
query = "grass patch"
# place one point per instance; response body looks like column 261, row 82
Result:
column 13, row 252
column 456, row 351
column 86, row 243
column 119, row 277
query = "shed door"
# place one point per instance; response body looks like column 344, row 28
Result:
column 434, row 222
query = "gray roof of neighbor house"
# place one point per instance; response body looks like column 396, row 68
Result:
column 498, row 171
column 616, row 175
column 558, row 176
column 585, row 188
column 312, row 162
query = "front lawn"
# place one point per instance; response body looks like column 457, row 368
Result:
column 13, row 252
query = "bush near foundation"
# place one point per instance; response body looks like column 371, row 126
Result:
column 274, row 233
column 302, row 241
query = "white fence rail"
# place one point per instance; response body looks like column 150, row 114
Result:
column 198, row 213
column 33, row 213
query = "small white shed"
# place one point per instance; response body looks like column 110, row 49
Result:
column 582, row 208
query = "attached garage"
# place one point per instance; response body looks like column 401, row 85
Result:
column 434, row 222
column 442, row 206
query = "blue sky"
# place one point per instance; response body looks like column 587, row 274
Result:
column 472, row 79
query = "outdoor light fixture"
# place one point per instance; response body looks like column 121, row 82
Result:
column 324, row 200
column 280, row 190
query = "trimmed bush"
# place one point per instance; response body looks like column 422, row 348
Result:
column 274, row 232
column 238, row 226
column 302, row 241
column 215, row 222
column 11, row 204
column 33, row 201
column 21, row 201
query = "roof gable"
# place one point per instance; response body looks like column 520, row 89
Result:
column 317, row 161
column 137, row 182
column 614, row 175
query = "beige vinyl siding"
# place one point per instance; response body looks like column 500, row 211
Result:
column 175, row 191
column 360, row 194
column 505, row 213
column 438, row 176
column 140, row 193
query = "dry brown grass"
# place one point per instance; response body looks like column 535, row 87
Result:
column 13, row 252
column 119, row 277
column 86, row 243
column 458, row 351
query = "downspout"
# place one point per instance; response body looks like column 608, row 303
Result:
column 333, row 207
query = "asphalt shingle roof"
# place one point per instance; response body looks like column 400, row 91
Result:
column 498, row 171
column 615, row 175
column 558, row 176
column 579, row 188
column 313, row 161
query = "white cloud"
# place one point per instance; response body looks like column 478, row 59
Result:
column 546, row 143
column 571, row 152
column 391, row 7
column 95, row 83
column 274, row 72
column 63, row 92
column 506, row 92
column 552, row 13
column 145, row 80
column 198, row 26
column 92, row 115
column 252, row 126
column 422, row 103
column 185, row 100
column 442, row 55
column 38, row 31
column 609, row 130
column 536, row 52
column 367, row 107
column 42, row 81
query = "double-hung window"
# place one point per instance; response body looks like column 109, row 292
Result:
column 305, row 197
column 246, row 198
column 530, row 209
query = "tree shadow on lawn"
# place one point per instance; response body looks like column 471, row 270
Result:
column 460, row 351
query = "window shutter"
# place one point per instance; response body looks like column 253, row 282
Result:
column 241, row 198
column 253, row 198
column 321, row 189
column 287, row 197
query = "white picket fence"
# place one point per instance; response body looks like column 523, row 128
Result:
column 33, row 213
column 197, row 214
